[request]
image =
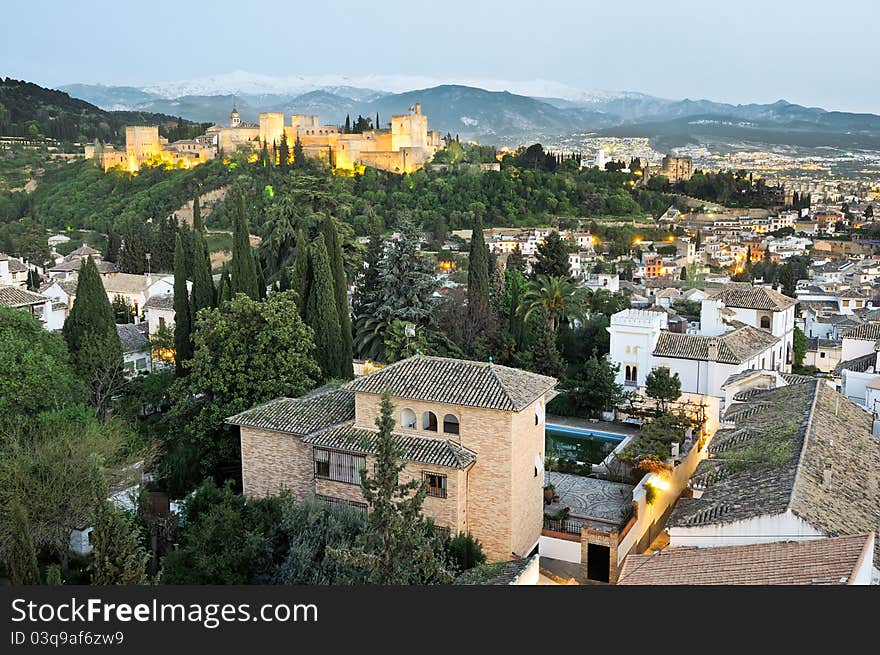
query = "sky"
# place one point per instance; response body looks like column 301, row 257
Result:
column 804, row 51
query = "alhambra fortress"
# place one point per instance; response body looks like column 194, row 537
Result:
column 405, row 146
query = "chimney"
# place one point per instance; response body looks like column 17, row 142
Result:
column 826, row 474
column 713, row 350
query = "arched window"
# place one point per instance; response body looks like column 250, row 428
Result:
column 539, row 414
column 626, row 374
column 765, row 322
column 429, row 421
column 408, row 419
column 450, row 424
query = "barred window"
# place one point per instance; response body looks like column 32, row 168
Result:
column 342, row 503
column 436, row 484
column 340, row 467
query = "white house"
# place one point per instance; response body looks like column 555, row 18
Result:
column 159, row 312
column 12, row 272
column 135, row 349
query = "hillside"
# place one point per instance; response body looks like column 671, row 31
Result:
column 28, row 109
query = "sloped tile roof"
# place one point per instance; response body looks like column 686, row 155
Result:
column 438, row 452
column 747, row 296
column 15, row 265
column 742, row 479
column 856, row 364
column 160, row 301
column 299, row 416
column 734, row 347
column 131, row 338
column 831, row 561
column 85, row 250
column 12, row 296
column 863, row 332
column 456, row 382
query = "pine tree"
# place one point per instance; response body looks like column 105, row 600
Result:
column 21, row 556
column 90, row 333
column 544, row 354
column 183, row 346
column 321, row 313
column 552, row 257
column 478, row 270
column 119, row 558
column 398, row 546
column 340, row 288
column 244, row 266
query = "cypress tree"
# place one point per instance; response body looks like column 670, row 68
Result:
column 478, row 269
column 347, row 128
column 90, row 333
column 261, row 279
column 321, row 314
column 284, row 153
column 198, row 226
column 244, row 266
column 377, row 120
column 224, row 293
column 284, row 283
column 203, row 294
column 340, row 287
column 119, row 557
column 21, row 555
column 301, row 269
column 183, row 348
column 299, row 160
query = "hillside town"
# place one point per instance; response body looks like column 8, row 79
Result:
column 594, row 400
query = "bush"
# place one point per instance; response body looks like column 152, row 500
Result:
column 464, row 551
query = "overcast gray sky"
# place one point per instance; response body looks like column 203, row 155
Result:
column 809, row 52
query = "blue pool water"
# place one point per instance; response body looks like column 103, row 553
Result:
column 579, row 444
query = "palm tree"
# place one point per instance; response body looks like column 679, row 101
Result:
column 557, row 296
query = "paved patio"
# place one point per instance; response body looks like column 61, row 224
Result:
column 600, row 499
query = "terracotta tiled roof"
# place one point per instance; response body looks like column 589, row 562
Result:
column 747, row 296
column 300, row 416
column 85, row 250
column 775, row 457
column 734, row 347
column 12, row 296
column 456, row 382
column 863, row 332
column 438, row 452
column 831, row 561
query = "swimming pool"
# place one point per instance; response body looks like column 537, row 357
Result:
column 580, row 444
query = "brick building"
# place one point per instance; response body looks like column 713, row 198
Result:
column 473, row 431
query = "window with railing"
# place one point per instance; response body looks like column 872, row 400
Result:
column 436, row 484
column 339, row 467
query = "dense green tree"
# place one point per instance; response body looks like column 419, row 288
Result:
column 543, row 355
column 340, row 290
column 119, row 557
column 299, row 155
column 321, row 312
column 593, row 388
column 399, row 545
column 663, row 387
column 551, row 257
column 198, row 225
column 90, row 333
column 367, row 281
column 21, row 556
column 798, row 347
column 57, row 467
column 224, row 292
column 39, row 376
column 203, row 292
column 246, row 352
column 244, row 265
column 183, row 348
column 301, row 268
column 284, row 153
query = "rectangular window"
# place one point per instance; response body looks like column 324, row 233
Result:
column 339, row 467
column 436, row 484
column 342, row 503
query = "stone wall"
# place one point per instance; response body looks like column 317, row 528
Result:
column 273, row 461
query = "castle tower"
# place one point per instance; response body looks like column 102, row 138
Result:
column 234, row 117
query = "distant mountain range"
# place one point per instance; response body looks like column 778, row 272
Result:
column 500, row 117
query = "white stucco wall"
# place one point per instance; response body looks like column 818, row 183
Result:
column 561, row 549
column 759, row 530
